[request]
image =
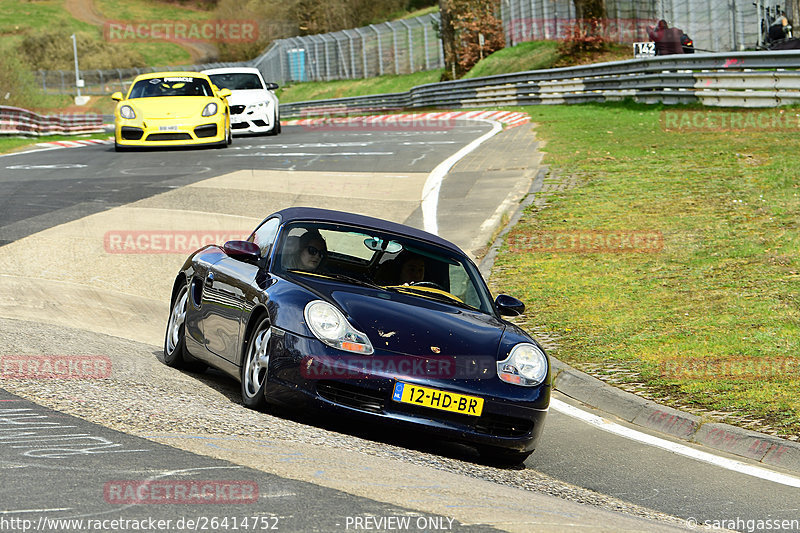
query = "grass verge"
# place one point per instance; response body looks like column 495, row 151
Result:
column 15, row 144
column 391, row 83
column 708, row 320
column 525, row 56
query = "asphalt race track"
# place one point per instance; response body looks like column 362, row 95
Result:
column 70, row 286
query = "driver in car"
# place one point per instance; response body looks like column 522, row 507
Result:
column 412, row 269
column 310, row 252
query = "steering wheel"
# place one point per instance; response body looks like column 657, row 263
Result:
column 428, row 284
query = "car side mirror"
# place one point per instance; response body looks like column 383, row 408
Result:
column 245, row 251
column 508, row 305
column 224, row 93
column 272, row 86
column 117, row 96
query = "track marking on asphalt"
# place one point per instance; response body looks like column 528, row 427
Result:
column 674, row 447
column 17, row 511
column 430, row 192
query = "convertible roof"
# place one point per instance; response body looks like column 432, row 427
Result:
column 327, row 215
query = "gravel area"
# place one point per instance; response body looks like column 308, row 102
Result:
column 144, row 397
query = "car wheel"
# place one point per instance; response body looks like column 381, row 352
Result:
column 175, row 340
column 255, row 367
column 503, row 456
column 175, row 353
column 276, row 126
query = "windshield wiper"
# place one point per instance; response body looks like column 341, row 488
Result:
column 439, row 296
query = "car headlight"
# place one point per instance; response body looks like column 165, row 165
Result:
column 209, row 110
column 329, row 325
column 126, row 111
column 257, row 107
column 526, row 365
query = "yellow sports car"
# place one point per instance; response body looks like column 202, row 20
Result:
column 172, row 108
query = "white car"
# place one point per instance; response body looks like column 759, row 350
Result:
column 254, row 107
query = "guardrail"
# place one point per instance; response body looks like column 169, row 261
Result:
column 733, row 79
column 17, row 121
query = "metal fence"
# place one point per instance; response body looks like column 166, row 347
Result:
column 714, row 25
column 412, row 45
column 733, row 79
column 399, row 47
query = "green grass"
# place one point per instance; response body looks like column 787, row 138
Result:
column 148, row 10
column 525, row 56
column 522, row 57
column 18, row 19
column 300, row 92
column 13, row 144
column 724, row 288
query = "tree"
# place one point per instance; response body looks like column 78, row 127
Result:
column 447, row 33
column 461, row 25
column 590, row 9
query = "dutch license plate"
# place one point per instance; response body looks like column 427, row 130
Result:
column 168, row 128
column 437, row 399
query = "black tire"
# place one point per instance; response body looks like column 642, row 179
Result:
column 255, row 365
column 175, row 338
column 276, row 126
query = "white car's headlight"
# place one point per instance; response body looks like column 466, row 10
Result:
column 126, row 111
column 209, row 110
column 260, row 106
column 526, row 365
column 329, row 325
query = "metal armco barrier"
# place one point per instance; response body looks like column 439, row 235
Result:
column 732, row 79
column 17, row 121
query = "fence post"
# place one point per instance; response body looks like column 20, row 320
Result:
column 380, row 50
column 363, row 50
column 410, row 47
column 394, row 48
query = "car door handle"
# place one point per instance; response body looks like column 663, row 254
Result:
column 210, row 279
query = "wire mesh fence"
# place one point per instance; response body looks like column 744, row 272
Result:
column 412, row 45
column 714, row 25
column 399, row 47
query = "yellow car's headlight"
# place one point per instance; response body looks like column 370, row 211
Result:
column 126, row 111
column 210, row 110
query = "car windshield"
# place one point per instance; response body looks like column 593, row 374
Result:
column 386, row 261
column 237, row 81
column 171, row 86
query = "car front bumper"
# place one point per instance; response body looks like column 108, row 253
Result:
column 170, row 132
column 512, row 416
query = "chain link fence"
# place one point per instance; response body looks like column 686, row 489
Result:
column 714, row 25
column 412, row 45
column 399, row 47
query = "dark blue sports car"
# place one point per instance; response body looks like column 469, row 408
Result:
column 366, row 318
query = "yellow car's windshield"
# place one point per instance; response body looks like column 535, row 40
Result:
column 171, row 86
